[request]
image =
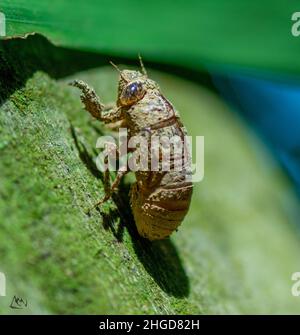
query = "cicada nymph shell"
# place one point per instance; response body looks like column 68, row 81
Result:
column 159, row 198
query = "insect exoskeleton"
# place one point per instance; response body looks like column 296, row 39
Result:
column 159, row 199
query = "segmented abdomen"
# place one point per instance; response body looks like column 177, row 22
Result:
column 161, row 199
column 158, row 214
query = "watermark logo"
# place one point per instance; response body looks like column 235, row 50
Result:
column 146, row 152
column 296, row 26
column 2, row 25
column 296, row 286
column 2, row 285
column 18, row 303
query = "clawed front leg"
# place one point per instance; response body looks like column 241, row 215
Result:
column 93, row 105
column 108, row 114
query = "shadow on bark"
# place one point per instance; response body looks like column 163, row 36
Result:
column 160, row 258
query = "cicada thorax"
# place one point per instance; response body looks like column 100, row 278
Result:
column 160, row 198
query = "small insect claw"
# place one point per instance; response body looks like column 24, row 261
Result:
column 73, row 83
column 78, row 83
column 106, row 197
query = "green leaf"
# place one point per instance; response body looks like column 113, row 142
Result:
column 221, row 35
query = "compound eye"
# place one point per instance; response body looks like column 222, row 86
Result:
column 132, row 93
column 134, row 89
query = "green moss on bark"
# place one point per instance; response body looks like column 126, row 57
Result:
column 234, row 253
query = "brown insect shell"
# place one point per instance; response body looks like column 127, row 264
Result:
column 149, row 110
column 159, row 200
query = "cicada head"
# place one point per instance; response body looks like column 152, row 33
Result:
column 133, row 85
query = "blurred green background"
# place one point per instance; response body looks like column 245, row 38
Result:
column 239, row 244
column 195, row 34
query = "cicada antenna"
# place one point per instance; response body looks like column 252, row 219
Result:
column 116, row 67
column 142, row 66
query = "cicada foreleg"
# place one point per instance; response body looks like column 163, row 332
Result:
column 91, row 101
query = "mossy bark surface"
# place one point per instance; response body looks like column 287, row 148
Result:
column 234, row 253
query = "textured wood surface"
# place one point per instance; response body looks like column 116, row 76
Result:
column 234, row 253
